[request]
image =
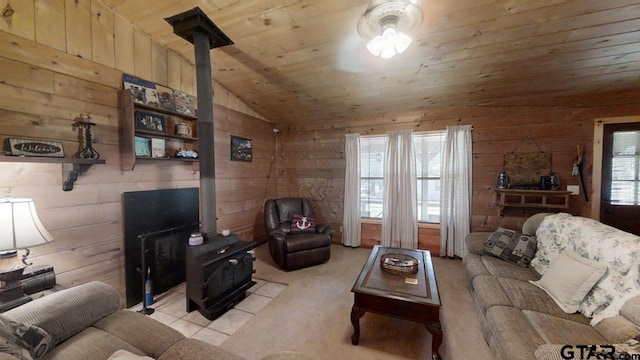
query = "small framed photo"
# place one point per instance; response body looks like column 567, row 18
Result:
column 158, row 148
column 150, row 122
column 35, row 147
column 143, row 146
column 241, row 149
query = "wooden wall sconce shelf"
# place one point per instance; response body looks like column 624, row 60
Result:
column 71, row 167
column 549, row 199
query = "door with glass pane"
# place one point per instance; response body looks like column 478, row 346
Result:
column 620, row 198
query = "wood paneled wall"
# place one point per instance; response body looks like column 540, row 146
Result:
column 311, row 157
column 48, row 76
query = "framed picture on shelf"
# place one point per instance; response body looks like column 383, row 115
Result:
column 241, row 149
column 150, row 122
column 143, row 146
column 158, row 148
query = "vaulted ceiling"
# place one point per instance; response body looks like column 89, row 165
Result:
column 303, row 60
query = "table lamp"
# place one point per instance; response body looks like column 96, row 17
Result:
column 20, row 229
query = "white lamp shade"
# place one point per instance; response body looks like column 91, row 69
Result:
column 20, row 227
column 389, row 43
column 402, row 42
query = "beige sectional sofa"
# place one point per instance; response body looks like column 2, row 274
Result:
column 85, row 322
column 522, row 321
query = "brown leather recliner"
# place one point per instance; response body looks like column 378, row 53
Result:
column 295, row 250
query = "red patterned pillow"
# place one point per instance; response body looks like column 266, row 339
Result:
column 303, row 224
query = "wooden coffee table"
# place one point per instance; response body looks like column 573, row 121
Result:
column 412, row 297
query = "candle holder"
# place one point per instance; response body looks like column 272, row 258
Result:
column 87, row 152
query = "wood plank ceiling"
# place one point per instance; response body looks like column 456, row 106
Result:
column 303, row 60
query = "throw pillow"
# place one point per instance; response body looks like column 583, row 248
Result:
column 302, row 224
column 511, row 246
column 569, row 279
column 25, row 342
column 126, row 355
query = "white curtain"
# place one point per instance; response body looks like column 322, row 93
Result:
column 399, row 211
column 455, row 191
column 351, row 218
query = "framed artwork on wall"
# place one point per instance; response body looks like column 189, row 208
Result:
column 525, row 169
column 241, row 149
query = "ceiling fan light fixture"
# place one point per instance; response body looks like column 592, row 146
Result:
column 389, row 44
column 385, row 24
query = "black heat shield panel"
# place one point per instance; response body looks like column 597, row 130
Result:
column 151, row 211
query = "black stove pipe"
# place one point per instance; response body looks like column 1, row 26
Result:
column 206, row 135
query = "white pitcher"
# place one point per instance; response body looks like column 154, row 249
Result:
column 183, row 129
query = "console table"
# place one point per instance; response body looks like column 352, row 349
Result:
column 550, row 199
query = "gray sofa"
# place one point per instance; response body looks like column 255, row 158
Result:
column 85, row 322
column 520, row 321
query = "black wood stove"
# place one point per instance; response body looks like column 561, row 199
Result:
column 218, row 274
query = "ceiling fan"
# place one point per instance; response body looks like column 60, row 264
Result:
column 383, row 31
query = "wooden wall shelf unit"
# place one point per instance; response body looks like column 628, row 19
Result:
column 550, row 199
column 71, row 167
column 127, row 109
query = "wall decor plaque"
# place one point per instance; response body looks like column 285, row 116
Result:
column 525, row 169
column 35, row 147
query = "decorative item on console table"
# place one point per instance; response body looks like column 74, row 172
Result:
column 502, row 181
column 21, row 230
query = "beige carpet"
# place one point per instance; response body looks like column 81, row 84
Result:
column 312, row 316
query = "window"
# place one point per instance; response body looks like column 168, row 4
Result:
column 625, row 168
column 428, row 148
column 371, row 168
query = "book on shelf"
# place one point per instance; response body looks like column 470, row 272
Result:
column 143, row 91
column 165, row 96
column 184, row 103
column 157, row 148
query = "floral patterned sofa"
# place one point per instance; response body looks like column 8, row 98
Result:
column 580, row 287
